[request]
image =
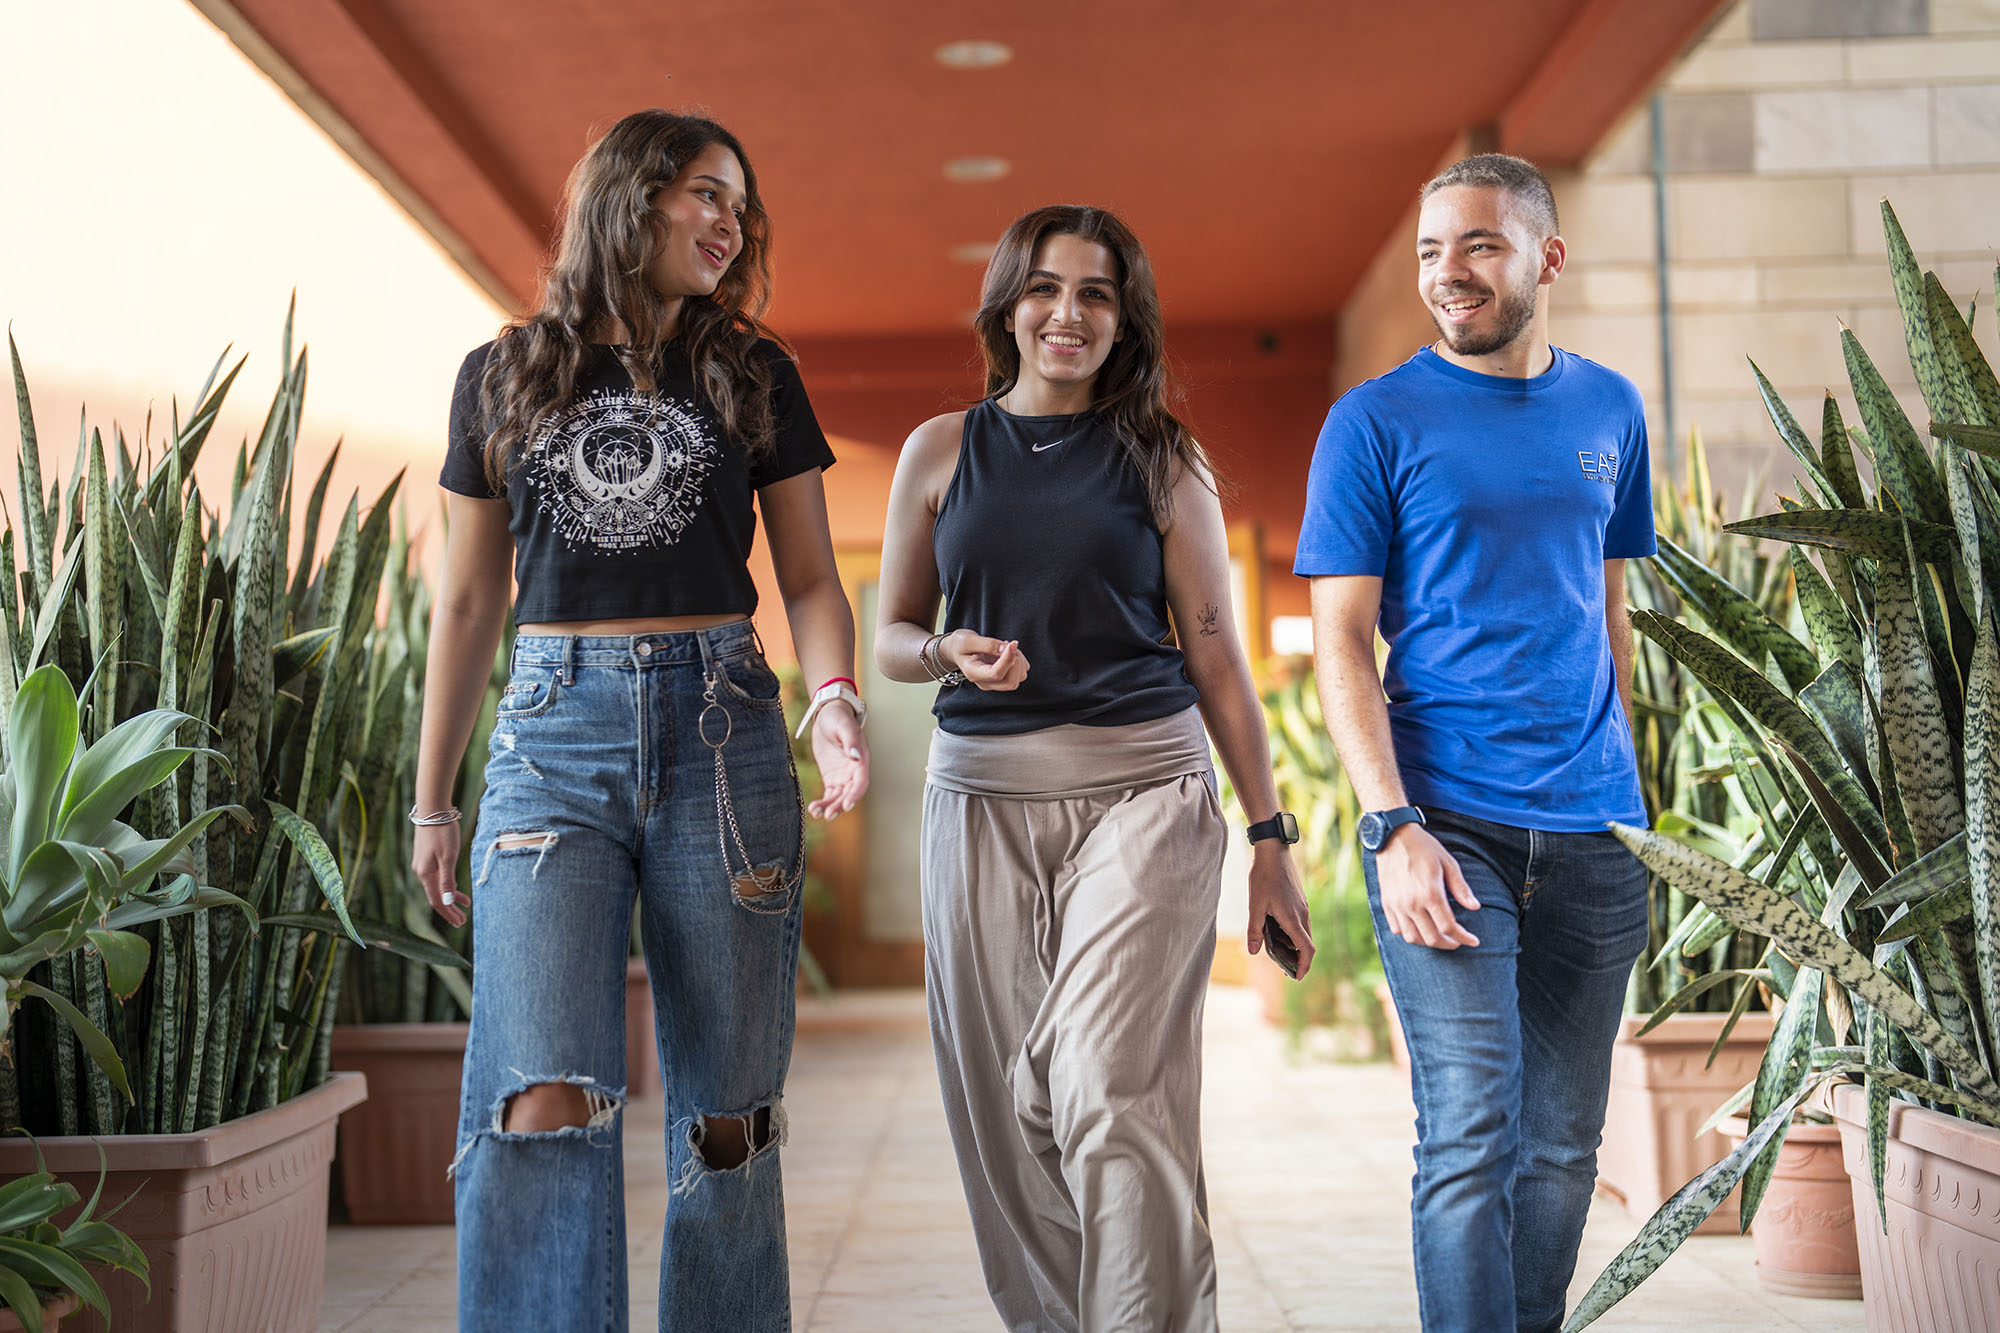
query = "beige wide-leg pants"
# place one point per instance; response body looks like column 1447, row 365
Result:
column 1070, row 880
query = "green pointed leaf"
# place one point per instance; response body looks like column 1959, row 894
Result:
column 1936, row 872
column 1826, row 617
column 41, row 743
column 1837, row 702
column 137, row 910
column 1729, row 676
column 1678, row 1217
column 1869, row 532
column 1979, row 439
column 47, row 1266
column 1789, row 431
column 125, row 956
column 1912, row 716
column 56, row 603
column 95, row 1043
column 1736, row 619
column 377, row 934
column 1837, row 453
column 300, row 652
column 1902, row 466
column 1700, row 986
column 1755, row 908
column 40, row 538
column 1786, row 1066
column 1974, row 390
column 29, row 1199
column 1862, row 850
column 1909, row 283
column 320, row 860
column 1982, row 832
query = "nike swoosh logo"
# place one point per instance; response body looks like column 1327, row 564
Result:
column 1037, row 448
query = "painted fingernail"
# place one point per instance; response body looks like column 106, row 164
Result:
column 447, row 898
column 853, row 752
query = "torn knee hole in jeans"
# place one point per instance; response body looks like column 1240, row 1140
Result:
column 544, row 1109
column 540, row 841
column 725, row 1141
column 761, row 888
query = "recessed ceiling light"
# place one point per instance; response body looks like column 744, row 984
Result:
column 973, row 54
column 977, row 168
column 972, row 252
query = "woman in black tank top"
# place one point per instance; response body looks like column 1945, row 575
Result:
column 1072, row 836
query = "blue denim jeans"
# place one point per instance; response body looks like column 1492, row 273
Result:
column 1510, row 1061
column 604, row 785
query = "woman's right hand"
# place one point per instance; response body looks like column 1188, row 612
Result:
column 436, row 864
column 991, row 664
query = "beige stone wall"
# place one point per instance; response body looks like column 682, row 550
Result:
column 1785, row 126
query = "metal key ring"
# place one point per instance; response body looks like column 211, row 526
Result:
column 701, row 725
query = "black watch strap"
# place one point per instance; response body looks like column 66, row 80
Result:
column 1281, row 826
column 1377, row 825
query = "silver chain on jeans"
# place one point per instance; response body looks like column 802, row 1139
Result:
column 767, row 880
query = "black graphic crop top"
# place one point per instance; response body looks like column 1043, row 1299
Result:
column 626, row 506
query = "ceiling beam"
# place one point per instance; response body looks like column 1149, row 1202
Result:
column 399, row 123
column 1607, row 59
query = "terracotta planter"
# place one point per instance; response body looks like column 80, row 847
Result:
column 1661, row 1091
column 396, row 1147
column 232, row 1219
column 1937, row 1270
column 53, row 1315
column 642, row 1052
column 1804, row 1230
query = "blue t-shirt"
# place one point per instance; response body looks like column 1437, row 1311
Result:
column 1488, row 506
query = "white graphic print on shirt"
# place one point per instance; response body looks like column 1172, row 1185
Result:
column 617, row 469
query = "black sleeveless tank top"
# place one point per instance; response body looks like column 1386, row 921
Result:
column 1045, row 535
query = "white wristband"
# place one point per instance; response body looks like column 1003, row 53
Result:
column 833, row 691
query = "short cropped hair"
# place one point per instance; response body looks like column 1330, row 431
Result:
column 1498, row 171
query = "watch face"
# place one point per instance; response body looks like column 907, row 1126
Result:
column 1371, row 831
column 1288, row 828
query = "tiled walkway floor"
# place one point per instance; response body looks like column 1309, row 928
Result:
column 1308, row 1173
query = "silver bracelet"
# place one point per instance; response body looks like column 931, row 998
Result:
column 448, row 815
column 932, row 658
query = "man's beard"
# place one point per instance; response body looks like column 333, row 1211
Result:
column 1515, row 312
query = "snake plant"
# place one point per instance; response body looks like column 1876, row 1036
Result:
column 131, row 587
column 1876, row 739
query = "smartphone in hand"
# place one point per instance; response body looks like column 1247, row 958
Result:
column 1280, row 947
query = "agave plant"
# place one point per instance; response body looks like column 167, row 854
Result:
column 77, row 877
column 1879, row 736
column 183, row 611
column 40, row 1258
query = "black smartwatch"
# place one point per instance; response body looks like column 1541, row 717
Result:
column 1280, row 826
column 1377, row 825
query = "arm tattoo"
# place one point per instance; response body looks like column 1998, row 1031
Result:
column 1207, row 615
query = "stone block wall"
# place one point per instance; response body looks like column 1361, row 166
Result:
column 1784, row 127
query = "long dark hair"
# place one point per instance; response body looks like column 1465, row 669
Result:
column 610, row 236
column 1134, row 388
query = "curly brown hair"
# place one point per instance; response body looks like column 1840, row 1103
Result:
column 609, row 236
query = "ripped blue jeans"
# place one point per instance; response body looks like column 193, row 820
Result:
column 604, row 784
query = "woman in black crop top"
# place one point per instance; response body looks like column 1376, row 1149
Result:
column 1072, row 836
column 608, row 449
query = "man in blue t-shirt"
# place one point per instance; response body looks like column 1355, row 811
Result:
column 1478, row 503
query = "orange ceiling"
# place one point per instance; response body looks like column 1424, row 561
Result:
column 1262, row 149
